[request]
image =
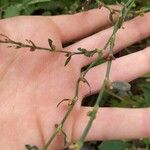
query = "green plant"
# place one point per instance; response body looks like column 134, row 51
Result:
column 106, row 85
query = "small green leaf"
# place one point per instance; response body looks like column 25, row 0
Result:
column 146, row 141
column 50, row 42
column 13, row 10
column 35, row 148
column 112, row 145
column 88, row 54
column 82, row 50
column 28, row 147
column 85, row 81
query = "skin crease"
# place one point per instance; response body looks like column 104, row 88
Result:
column 33, row 83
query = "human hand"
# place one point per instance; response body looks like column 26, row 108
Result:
column 32, row 84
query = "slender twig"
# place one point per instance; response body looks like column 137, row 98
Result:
column 70, row 107
column 123, row 14
column 140, row 12
column 111, row 10
column 32, row 46
column 114, row 95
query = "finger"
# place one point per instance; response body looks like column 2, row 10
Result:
column 134, row 30
column 125, row 68
column 113, row 123
column 77, row 26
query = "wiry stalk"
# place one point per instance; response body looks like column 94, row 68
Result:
column 92, row 115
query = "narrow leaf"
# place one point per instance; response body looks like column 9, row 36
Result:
column 112, row 145
column 62, row 101
column 68, row 60
column 85, row 81
column 50, row 42
column 28, row 147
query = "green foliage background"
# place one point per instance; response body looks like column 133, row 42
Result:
column 9, row 8
column 139, row 95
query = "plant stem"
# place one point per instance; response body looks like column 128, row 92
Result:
column 60, row 126
column 92, row 116
column 123, row 14
column 23, row 45
column 114, row 95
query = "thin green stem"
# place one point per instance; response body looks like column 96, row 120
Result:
column 108, row 69
column 92, row 114
column 111, row 41
column 114, row 95
column 22, row 45
column 60, row 126
column 91, row 65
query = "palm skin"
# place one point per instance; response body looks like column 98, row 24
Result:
column 33, row 83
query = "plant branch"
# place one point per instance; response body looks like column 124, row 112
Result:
column 123, row 14
column 52, row 48
column 70, row 108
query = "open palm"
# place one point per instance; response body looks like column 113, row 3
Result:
column 33, row 83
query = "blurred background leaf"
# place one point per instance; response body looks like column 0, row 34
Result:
column 112, row 145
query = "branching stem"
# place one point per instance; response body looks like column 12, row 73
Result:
column 123, row 14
